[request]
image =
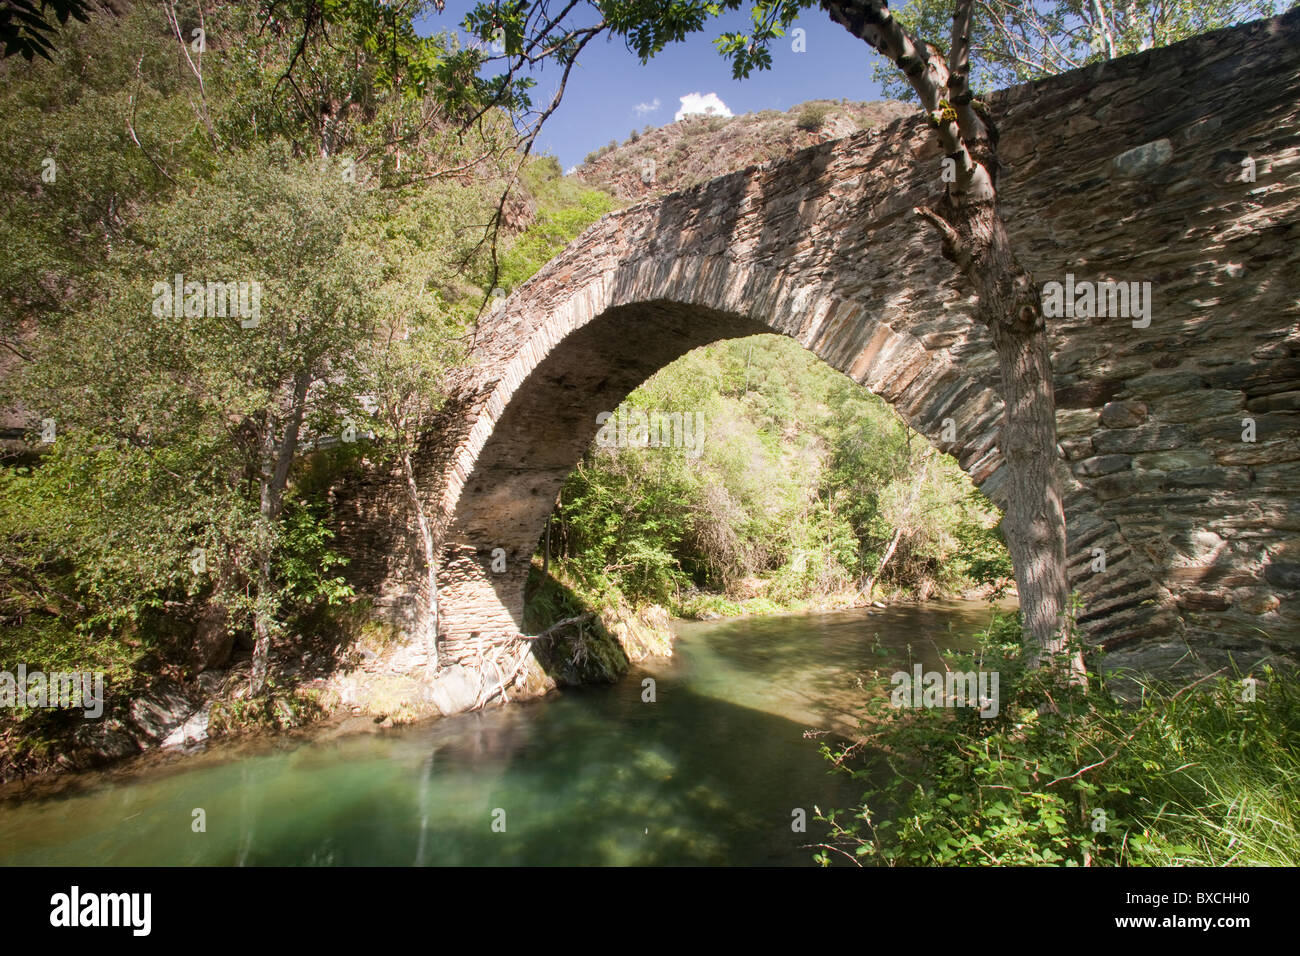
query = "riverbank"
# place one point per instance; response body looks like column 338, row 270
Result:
column 710, row 606
column 1202, row 772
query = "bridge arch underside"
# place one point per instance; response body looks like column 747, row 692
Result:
column 1129, row 170
column 551, row 418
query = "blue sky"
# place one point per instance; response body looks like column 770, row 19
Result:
column 605, row 88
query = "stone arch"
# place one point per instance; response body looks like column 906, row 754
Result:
column 540, row 416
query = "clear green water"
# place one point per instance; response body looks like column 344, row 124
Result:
column 707, row 774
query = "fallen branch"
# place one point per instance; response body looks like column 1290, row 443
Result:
column 507, row 676
column 556, row 626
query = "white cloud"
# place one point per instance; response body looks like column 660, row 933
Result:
column 706, row 103
column 652, row 107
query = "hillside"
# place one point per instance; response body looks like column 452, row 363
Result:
column 698, row 148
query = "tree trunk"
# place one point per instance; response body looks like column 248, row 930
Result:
column 1035, row 518
column 1102, row 35
column 275, row 478
column 546, row 547
column 263, row 626
column 889, row 553
column 904, row 523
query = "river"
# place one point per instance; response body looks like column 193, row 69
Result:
column 712, row 771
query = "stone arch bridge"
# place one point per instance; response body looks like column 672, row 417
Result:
column 1136, row 170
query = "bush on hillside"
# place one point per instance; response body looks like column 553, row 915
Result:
column 812, row 117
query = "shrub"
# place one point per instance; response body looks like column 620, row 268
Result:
column 812, row 116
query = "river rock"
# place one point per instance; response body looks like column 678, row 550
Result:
column 101, row 741
column 160, row 710
column 455, row 690
column 194, row 730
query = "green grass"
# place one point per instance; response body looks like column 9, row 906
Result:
column 1221, row 776
column 1197, row 775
